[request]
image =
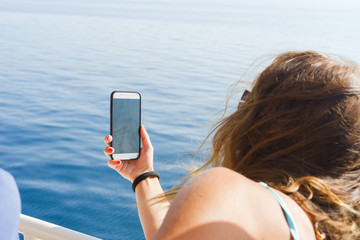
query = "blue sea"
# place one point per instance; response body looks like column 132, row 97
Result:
column 60, row 60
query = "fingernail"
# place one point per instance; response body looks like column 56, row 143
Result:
column 117, row 162
column 108, row 138
column 110, row 150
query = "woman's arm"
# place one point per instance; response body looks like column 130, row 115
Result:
column 151, row 215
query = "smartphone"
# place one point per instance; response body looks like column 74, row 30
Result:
column 125, row 121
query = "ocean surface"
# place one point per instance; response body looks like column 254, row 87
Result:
column 60, row 60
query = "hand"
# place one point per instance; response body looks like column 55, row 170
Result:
column 131, row 169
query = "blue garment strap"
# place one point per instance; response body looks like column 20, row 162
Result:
column 286, row 211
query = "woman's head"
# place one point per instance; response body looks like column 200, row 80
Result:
column 299, row 130
column 302, row 117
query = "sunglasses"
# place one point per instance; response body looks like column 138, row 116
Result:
column 243, row 98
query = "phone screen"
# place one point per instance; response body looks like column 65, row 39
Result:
column 126, row 125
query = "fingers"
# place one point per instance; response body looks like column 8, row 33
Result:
column 114, row 163
column 108, row 139
column 145, row 138
column 108, row 151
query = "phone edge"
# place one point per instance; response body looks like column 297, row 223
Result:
column 111, row 122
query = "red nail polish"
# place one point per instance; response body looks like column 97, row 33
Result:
column 117, row 162
column 108, row 138
column 110, row 150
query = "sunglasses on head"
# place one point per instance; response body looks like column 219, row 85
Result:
column 244, row 97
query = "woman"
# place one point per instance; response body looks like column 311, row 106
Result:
column 285, row 165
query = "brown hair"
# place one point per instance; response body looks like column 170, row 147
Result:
column 299, row 131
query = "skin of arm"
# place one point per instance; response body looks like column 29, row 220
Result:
column 207, row 208
column 222, row 204
column 151, row 215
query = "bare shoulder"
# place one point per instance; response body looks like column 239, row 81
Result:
column 216, row 181
column 222, row 204
column 203, row 208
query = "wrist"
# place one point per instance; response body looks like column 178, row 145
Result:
column 144, row 176
column 137, row 174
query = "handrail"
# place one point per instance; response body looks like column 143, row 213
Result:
column 36, row 229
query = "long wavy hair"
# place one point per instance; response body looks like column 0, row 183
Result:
column 299, row 131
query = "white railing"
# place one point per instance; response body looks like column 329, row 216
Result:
column 36, row 229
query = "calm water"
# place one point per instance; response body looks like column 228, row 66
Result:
column 60, row 60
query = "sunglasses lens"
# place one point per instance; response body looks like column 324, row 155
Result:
column 244, row 97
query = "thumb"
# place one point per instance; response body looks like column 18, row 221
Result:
column 145, row 138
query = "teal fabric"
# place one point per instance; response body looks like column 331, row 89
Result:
column 286, row 211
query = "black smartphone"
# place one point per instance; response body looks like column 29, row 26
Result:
column 125, row 121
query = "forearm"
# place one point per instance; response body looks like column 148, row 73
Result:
column 151, row 215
